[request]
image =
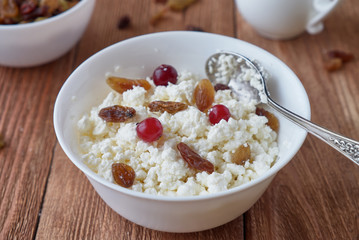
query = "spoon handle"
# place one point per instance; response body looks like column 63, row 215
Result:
column 348, row 147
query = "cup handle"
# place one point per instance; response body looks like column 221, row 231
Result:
column 321, row 9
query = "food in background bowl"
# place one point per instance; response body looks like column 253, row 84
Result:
column 39, row 42
column 24, row 11
column 136, row 58
column 207, row 141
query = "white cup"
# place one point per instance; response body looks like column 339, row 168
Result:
column 284, row 19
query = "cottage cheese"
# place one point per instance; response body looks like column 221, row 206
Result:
column 159, row 166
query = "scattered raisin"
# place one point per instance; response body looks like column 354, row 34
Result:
column 170, row 107
column 179, row 5
column 123, row 84
column 333, row 64
column 273, row 122
column 124, row 22
column 193, row 159
column 335, row 59
column 174, row 5
column 2, row 142
column 344, row 56
column 194, row 28
column 117, row 113
column 161, row 1
column 158, row 16
column 220, row 86
column 123, row 174
column 242, row 154
column 204, row 95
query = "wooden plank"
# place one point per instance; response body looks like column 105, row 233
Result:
column 27, row 98
column 44, row 195
column 315, row 196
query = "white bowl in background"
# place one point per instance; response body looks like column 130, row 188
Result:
column 36, row 43
column 138, row 57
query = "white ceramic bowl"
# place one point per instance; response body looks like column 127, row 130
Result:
column 36, row 43
column 137, row 57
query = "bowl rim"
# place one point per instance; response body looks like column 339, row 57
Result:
column 90, row 174
column 45, row 21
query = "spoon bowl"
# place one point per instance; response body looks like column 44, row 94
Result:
column 248, row 90
column 258, row 91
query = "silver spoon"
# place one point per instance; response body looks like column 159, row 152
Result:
column 344, row 145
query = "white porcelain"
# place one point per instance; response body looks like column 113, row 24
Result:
column 284, row 19
column 36, row 43
column 138, row 57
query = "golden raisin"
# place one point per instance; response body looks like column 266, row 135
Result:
column 333, row 64
column 204, row 95
column 170, row 107
column 193, row 159
column 123, row 174
column 174, row 5
column 179, row 5
column 273, row 122
column 242, row 154
column 123, row 84
column 116, row 113
column 159, row 15
column 335, row 59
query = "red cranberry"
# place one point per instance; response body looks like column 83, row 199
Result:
column 164, row 74
column 217, row 113
column 149, row 130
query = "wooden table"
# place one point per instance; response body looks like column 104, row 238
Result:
column 44, row 196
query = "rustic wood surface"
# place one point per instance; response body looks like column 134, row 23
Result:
column 44, row 196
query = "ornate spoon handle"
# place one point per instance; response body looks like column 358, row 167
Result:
column 348, row 147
